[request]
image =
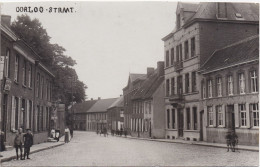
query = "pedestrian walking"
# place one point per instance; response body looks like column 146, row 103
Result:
column 105, row 131
column 18, row 143
column 234, row 140
column 67, row 135
column 28, row 142
column 228, row 140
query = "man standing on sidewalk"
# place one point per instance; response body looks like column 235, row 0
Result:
column 28, row 142
column 18, row 143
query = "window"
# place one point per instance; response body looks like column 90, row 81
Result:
column 173, row 119
column 16, row 104
column 167, row 87
column 219, row 86
column 178, row 21
column 30, row 113
column 172, row 56
column 188, row 118
column 177, row 54
column 255, row 112
column 210, row 88
column 194, row 83
column 220, row 115
column 194, row 109
column 122, row 113
column 24, row 73
column 230, row 85
column 187, row 82
column 38, row 85
column 46, row 89
column 16, row 68
column 42, row 86
column 193, row 47
column 210, row 112
column 172, row 86
column 186, row 49
column 179, row 84
column 254, row 81
column 6, row 65
column 242, row 109
column 180, row 54
column 30, row 76
column 167, row 59
column 241, row 83
column 168, row 118
column 203, row 90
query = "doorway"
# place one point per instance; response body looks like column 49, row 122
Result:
column 4, row 115
column 180, row 127
column 230, row 117
column 201, row 125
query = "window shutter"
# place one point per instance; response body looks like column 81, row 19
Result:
column 237, row 117
column 19, row 112
column 247, row 116
column 224, row 115
column 206, row 115
column 27, row 114
column 32, row 120
column 214, row 116
column 13, row 113
column 35, row 118
column 251, row 115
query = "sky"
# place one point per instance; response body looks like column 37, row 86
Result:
column 108, row 40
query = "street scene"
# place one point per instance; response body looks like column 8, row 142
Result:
column 90, row 149
column 160, row 83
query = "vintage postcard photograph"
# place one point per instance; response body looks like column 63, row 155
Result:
column 129, row 83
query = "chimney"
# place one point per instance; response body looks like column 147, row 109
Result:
column 6, row 20
column 160, row 68
column 221, row 9
column 91, row 99
column 150, row 71
column 99, row 98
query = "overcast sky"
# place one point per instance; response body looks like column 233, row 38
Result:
column 108, row 40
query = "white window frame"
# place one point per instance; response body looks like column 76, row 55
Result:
column 242, row 109
column 16, row 68
column 220, row 115
column 254, row 84
column 211, row 116
column 241, row 83
column 230, row 85
column 30, row 76
column 204, row 90
column 255, row 112
column 210, row 88
column 219, row 86
column 6, row 65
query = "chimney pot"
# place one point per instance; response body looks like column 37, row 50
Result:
column 160, row 68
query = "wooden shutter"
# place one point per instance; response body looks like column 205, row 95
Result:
column 237, row 117
column 224, row 115
column 32, row 116
column 214, row 116
column 247, row 116
column 27, row 113
column 19, row 112
column 206, row 116
column 13, row 113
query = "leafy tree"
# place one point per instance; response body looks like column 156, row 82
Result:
column 52, row 55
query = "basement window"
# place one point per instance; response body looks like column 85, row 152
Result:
column 238, row 15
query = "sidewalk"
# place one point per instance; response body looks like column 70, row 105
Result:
column 200, row 143
column 11, row 154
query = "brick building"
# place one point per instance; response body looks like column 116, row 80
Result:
column 134, row 82
column 148, row 118
column 96, row 117
column 26, row 94
column 200, row 30
column 230, row 92
column 115, row 115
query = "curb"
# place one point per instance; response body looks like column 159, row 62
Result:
column 35, row 151
column 199, row 144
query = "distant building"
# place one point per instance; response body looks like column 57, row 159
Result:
column 201, row 29
column 80, row 114
column 96, row 117
column 148, row 116
column 230, row 90
column 115, row 115
column 134, row 82
column 26, row 94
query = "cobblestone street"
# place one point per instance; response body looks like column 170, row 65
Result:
column 90, row 149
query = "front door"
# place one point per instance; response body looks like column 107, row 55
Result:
column 230, row 117
column 201, row 125
column 180, row 127
column 4, row 115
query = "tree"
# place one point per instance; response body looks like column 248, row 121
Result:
column 52, row 55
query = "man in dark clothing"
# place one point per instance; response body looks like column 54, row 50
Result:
column 18, row 143
column 228, row 139
column 234, row 140
column 28, row 142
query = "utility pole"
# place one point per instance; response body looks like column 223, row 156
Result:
column 72, row 97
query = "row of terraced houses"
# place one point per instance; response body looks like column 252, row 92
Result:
column 206, row 86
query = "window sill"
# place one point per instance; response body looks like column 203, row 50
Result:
column 190, row 130
column 172, row 129
column 190, row 93
column 255, row 128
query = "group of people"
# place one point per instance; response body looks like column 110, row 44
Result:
column 232, row 141
column 103, row 131
column 119, row 132
column 23, row 141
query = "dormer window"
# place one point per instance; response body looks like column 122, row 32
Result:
column 222, row 10
column 178, row 21
column 238, row 15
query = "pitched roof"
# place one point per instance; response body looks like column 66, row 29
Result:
column 134, row 77
column 149, row 86
column 84, row 107
column 188, row 7
column 236, row 53
column 118, row 103
column 102, row 105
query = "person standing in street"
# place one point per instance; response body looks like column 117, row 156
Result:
column 66, row 135
column 28, row 142
column 18, row 143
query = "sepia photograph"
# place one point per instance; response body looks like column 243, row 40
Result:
column 129, row 83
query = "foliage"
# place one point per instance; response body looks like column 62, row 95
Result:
column 52, row 55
